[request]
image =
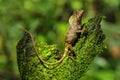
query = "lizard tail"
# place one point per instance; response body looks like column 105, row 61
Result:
column 40, row 58
column 60, row 60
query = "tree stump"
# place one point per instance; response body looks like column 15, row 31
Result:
column 88, row 46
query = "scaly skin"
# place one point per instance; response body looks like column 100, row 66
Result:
column 71, row 36
column 75, row 22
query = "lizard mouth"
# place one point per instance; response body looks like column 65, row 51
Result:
column 78, row 15
column 76, row 18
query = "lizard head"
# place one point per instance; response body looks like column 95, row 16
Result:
column 76, row 17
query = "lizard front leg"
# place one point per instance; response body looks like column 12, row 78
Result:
column 81, row 31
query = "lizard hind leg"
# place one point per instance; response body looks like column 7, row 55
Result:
column 71, row 55
column 69, row 46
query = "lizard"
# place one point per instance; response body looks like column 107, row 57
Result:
column 74, row 29
column 70, row 38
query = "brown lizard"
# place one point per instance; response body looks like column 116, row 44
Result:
column 75, row 22
column 71, row 36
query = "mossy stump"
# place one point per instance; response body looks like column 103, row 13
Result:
column 89, row 45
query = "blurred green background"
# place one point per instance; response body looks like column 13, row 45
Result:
column 47, row 20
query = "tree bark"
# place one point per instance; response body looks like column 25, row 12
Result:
column 88, row 46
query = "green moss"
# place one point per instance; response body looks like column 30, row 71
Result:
column 89, row 45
